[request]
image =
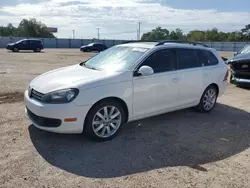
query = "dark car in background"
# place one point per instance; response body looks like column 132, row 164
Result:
column 26, row 44
column 240, row 67
column 93, row 47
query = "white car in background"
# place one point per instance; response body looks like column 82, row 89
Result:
column 125, row 83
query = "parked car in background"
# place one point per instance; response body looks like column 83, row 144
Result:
column 245, row 50
column 124, row 83
column 97, row 47
column 26, row 44
column 240, row 67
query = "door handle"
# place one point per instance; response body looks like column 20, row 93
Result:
column 205, row 74
column 175, row 80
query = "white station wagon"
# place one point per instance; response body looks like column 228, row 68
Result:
column 124, row 83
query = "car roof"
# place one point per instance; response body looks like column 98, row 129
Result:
column 171, row 45
column 95, row 43
column 140, row 44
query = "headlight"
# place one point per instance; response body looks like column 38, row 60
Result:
column 60, row 96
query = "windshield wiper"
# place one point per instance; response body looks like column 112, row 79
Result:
column 84, row 65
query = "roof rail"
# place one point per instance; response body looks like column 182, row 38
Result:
column 131, row 41
column 181, row 41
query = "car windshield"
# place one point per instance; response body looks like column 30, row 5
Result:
column 118, row 58
column 91, row 44
column 245, row 50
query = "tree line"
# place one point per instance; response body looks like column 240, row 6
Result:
column 198, row 35
column 26, row 28
column 34, row 28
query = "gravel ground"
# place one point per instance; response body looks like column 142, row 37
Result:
column 178, row 149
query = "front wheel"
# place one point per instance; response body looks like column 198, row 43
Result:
column 15, row 50
column 208, row 99
column 104, row 120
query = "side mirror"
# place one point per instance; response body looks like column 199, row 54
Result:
column 236, row 53
column 145, row 71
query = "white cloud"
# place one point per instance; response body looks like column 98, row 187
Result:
column 118, row 19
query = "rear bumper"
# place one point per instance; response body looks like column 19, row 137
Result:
column 222, row 88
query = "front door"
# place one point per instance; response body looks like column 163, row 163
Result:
column 159, row 91
column 24, row 45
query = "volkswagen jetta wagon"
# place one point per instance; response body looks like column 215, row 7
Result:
column 124, row 83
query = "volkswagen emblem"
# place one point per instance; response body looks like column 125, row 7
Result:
column 244, row 66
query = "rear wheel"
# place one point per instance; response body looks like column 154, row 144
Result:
column 208, row 99
column 37, row 50
column 104, row 120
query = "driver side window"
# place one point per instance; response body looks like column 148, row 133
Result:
column 162, row 61
column 25, row 42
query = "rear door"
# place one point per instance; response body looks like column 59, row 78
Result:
column 209, row 63
column 191, row 74
column 159, row 91
column 32, row 45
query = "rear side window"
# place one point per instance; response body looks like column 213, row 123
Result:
column 188, row 59
column 207, row 58
column 162, row 61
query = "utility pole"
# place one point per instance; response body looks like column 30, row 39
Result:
column 73, row 34
column 98, row 33
column 139, row 30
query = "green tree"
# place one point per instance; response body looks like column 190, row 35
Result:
column 27, row 28
column 156, row 34
column 177, row 35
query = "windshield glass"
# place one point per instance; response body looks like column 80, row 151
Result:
column 117, row 58
column 246, row 50
column 91, row 44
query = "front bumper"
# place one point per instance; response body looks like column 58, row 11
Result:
column 9, row 48
column 240, row 77
column 51, row 117
column 241, row 81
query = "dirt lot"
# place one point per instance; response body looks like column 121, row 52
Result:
column 179, row 149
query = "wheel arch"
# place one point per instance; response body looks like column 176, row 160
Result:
column 117, row 99
column 216, row 86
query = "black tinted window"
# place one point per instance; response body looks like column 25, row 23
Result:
column 188, row 59
column 161, row 61
column 25, row 42
column 207, row 58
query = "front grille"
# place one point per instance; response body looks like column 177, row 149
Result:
column 36, row 95
column 242, row 65
column 43, row 121
column 242, row 76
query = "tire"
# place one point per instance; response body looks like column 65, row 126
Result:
column 104, row 128
column 205, row 106
column 37, row 50
column 15, row 49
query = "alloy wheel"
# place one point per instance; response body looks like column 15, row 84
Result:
column 209, row 99
column 106, row 121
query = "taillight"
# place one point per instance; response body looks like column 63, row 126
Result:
column 226, row 75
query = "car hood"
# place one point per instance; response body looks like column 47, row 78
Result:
column 10, row 44
column 240, row 57
column 83, row 46
column 67, row 77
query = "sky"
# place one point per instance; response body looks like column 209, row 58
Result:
column 118, row 19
